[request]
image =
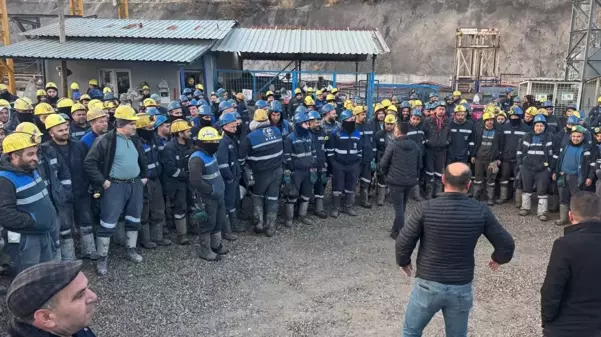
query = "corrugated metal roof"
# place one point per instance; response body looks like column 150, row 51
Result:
column 133, row 28
column 300, row 41
column 89, row 49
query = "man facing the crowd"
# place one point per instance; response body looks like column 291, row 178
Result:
column 453, row 223
column 571, row 292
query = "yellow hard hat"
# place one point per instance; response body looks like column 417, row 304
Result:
column 180, row 125
column 386, row 103
column 390, row 119
column 22, row 105
column 392, row 108
column 95, row 113
column 3, row 87
column 40, row 92
column 378, row 106
column 200, row 87
column 17, row 141
column 95, row 102
column 461, row 108
column 599, row 99
column 309, row 101
column 54, row 120
column 532, row 111
column 209, row 134
column 334, row 90
column 456, row 93
column 64, row 103
column 417, row 102
column 85, row 97
column 77, row 106
column 4, row 104
column 149, row 102
column 30, row 129
column 51, row 85
column 145, row 87
column 269, row 93
column 43, row 109
column 330, row 97
column 106, row 89
column 358, row 110
column 543, row 111
column 143, row 121
column 126, row 112
column 319, row 92
column 486, row 115
column 93, row 82
column 297, row 91
column 348, row 104
column 74, row 86
column 490, row 109
column 502, row 113
column 109, row 105
column 309, row 89
column 260, row 115
column 463, row 101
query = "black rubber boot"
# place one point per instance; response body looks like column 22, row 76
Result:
column 363, row 197
column 335, row 206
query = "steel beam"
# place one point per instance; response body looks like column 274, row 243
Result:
column 583, row 59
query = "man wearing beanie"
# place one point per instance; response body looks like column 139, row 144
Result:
column 51, row 299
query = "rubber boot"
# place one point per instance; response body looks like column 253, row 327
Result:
column 270, row 223
column 119, row 237
column 518, row 198
column 563, row 215
column 67, row 249
column 490, row 195
column 88, row 246
column 350, row 204
column 156, row 235
column 302, row 214
column 319, row 209
column 429, row 190
column 363, row 197
column 526, row 204
column 543, row 206
column 503, row 194
column 205, row 251
column 477, row 191
column 335, row 206
column 217, row 244
column 145, row 238
column 182, row 232
column 130, row 245
column 237, row 226
column 553, row 203
column 226, row 232
column 102, row 245
column 381, row 196
column 417, row 193
column 289, row 214
column 438, row 190
column 258, row 217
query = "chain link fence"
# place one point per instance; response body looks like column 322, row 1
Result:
column 560, row 93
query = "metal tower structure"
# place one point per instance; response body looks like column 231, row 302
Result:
column 476, row 57
column 583, row 60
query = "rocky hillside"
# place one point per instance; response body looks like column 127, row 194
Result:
column 534, row 33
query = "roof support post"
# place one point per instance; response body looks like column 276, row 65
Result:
column 356, row 77
column 62, row 39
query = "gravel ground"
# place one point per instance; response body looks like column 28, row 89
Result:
column 337, row 278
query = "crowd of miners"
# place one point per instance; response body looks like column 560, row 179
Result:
column 97, row 167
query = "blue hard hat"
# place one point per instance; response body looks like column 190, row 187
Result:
column 467, row 107
column 187, row 91
column 183, row 98
column 174, row 105
column 275, row 106
column 314, row 115
column 202, row 101
column 300, row 118
column 160, row 119
column 571, row 106
column 152, row 111
column 414, row 96
column 495, row 96
column 219, row 91
column 508, row 90
column 76, row 95
column 573, row 120
column 225, row 105
column 327, row 108
column 405, row 104
column 261, row 104
column 516, row 110
column 346, row 114
column 197, row 93
column 436, row 105
column 65, row 116
column 417, row 112
column 96, row 94
column 540, row 119
column 547, row 104
column 205, row 110
column 109, row 96
column 300, row 109
column 433, row 94
column 227, row 118
column 236, row 115
column 156, row 98
column 193, row 102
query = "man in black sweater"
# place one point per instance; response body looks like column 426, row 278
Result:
column 571, row 293
column 448, row 229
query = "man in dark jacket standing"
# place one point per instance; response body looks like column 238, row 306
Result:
column 436, row 134
column 401, row 164
column 452, row 224
column 117, row 164
column 570, row 295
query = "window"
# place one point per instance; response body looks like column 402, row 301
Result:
column 119, row 80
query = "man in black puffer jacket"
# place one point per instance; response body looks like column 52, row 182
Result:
column 401, row 164
column 448, row 229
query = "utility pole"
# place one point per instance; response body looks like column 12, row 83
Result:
column 62, row 39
